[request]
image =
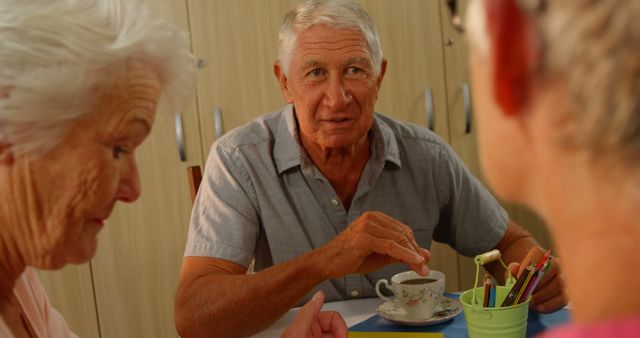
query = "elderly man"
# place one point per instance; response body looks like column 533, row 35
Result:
column 326, row 194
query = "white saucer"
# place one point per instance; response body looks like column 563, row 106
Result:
column 393, row 312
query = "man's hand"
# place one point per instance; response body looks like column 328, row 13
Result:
column 311, row 323
column 369, row 243
column 549, row 295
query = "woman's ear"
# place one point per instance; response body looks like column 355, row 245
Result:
column 6, row 154
column 513, row 53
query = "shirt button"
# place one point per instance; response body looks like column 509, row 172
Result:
column 335, row 201
column 355, row 293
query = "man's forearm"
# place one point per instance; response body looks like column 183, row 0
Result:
column 232, row 305
column 514, row 246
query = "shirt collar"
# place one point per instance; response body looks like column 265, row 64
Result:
column 286, row 149
column 384, row 146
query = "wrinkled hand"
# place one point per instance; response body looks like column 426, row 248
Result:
column 369, row 243
column 311, row 323
column 549, row 295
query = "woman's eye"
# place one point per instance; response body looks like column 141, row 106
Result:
column 119, row 150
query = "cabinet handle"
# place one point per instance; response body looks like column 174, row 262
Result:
column 428, row 106
column 180, row 137
column 217, row 121
column 468, row 109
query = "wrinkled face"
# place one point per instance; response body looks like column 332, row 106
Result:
column 332, row 85
column 72, row 189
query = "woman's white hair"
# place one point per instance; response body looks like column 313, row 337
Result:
column 594, row 46
column 339, row 14
column 55, row 54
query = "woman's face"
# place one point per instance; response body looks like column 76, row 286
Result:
column 71, row 190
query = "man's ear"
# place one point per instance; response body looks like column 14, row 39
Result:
column 6, row 154
column 283, row 82
column 513, row 53
column 383, row 70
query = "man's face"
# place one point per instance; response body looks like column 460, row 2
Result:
column 332, row 86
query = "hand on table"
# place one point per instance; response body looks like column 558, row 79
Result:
column 311, row 323
column 369, row 243
column 549, row 295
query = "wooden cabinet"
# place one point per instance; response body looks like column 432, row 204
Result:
column 128, row 289
column 411, row 42
column 238, row 42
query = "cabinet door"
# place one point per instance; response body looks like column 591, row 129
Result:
column 238, row 42
column 412, row 44
column 70, row 291
column 463, row 136
column 138, row 262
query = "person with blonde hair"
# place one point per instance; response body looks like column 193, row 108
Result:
column 556, row 88
column 80, row 83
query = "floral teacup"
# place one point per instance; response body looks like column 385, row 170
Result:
column 419, row 296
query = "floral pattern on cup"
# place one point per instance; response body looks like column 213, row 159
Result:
column 422, row 296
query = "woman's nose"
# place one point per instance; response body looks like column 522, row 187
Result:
column 129, row 185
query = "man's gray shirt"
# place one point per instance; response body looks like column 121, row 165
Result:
column 261, row 196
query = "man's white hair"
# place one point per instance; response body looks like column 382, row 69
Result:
column 55, row 54
column 594, row 46
column 339, row 14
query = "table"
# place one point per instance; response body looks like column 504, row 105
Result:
column 353, row 312
column 356, row 311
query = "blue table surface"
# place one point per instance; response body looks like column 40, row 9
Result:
column 457, row 327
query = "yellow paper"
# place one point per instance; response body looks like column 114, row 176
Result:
column 395, row 335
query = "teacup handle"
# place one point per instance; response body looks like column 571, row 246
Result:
column 388, row 286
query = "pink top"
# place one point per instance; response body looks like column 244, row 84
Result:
column 45, row 320
column 619, row 328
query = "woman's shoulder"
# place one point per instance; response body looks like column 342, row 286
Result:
column 45, row 320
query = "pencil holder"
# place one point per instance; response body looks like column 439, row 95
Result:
column 489, row 322
column 485, row 322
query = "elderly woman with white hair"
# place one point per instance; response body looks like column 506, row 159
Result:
column 79, row 85
column 560, row 82
column 80, row 82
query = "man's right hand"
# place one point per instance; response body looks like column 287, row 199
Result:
column 209, row 302
column 369, row 243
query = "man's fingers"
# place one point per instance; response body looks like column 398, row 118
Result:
column 402, row 234
column 375, row 233
column 426, row 254
column 398, row 227
column 391, row 248
column 550, row 305
column 549, row 290
column 388, row 242
column 514, row 268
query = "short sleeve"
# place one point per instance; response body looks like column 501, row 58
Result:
column 471, row 219
column 224, row 221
